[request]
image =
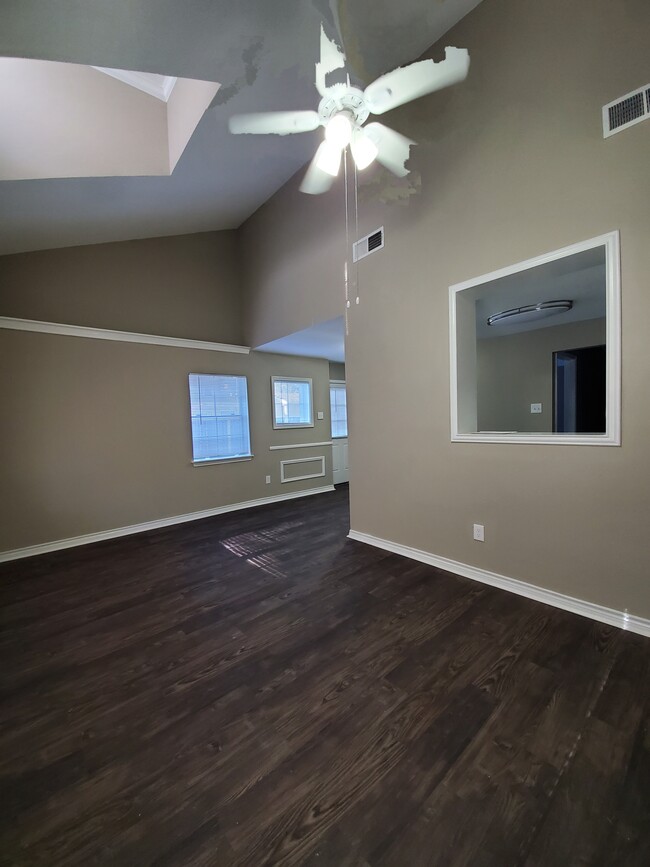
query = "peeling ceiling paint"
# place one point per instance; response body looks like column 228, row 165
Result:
column 389, row 190
column 248, row 76
column 262, row 52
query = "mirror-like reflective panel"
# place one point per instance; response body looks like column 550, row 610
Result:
column 535, row 349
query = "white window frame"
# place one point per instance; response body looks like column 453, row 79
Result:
column 202, row 462
column 612, row 437
column 339, row 382
column 281, row 426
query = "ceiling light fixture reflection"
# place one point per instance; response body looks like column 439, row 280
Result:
column 530, row 312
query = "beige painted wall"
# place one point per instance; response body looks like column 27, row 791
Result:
column 96, row 435
column 180, row 286
column 292, row 252
column 516, row 370
column 337, row 370
column 515, row 166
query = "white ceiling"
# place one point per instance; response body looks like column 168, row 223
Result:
column 262, row 53
column 325, row 340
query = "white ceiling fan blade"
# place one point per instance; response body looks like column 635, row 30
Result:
column 322, row 170
column 410, row 82
column 274, row 122
column 331, row 58
column 392, row 147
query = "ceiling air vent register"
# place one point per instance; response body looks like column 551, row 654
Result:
column 626, row 111
column 365, row 246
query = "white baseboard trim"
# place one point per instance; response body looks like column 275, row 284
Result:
column 89, row 538
column 621, row 619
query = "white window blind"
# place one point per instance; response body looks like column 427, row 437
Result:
column 292, row 403
column 219, row 413
column 338, row 409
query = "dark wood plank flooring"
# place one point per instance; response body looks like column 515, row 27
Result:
column 257, row 689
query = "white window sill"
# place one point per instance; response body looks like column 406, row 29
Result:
column 210, row 461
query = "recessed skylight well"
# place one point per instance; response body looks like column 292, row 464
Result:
column 86, row 121
column 159, row 86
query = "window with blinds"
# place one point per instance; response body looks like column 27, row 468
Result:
column 219, row 414
column 292, row 402
column 338, row 409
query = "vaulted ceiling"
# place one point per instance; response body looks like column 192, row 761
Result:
column 261, row 53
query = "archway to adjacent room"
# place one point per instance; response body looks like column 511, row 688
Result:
column 325, row 340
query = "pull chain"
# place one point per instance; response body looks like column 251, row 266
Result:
column 356, row 230
column 347, row 245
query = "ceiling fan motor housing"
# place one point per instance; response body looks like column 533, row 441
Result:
column 342, row 98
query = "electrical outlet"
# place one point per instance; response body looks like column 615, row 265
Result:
column 535, row 408
column 268, row 480
column 479, row 533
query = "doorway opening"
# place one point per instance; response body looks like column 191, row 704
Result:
column 579, row 377
column 339, row 422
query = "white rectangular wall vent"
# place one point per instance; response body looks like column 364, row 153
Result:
column 626, row 111
column 365, row 246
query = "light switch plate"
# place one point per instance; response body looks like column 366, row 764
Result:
column 321, row 415
column 535, row 408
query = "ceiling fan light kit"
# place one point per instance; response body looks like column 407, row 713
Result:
column 328, row 158
column 343, row 111
column 364, row 150
column 339, row 129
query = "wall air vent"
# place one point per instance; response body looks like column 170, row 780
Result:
column 365, row 246
column 626, row 111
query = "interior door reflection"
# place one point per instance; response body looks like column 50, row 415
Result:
column 579, row 377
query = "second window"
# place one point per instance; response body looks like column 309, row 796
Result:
column 292, row 402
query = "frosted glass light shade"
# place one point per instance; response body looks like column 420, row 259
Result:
column 328, row 158
column 364, row 150
column 339, row 131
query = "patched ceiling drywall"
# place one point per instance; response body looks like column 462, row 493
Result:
column 262, row 53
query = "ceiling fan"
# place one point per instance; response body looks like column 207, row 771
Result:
column 343, row 111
